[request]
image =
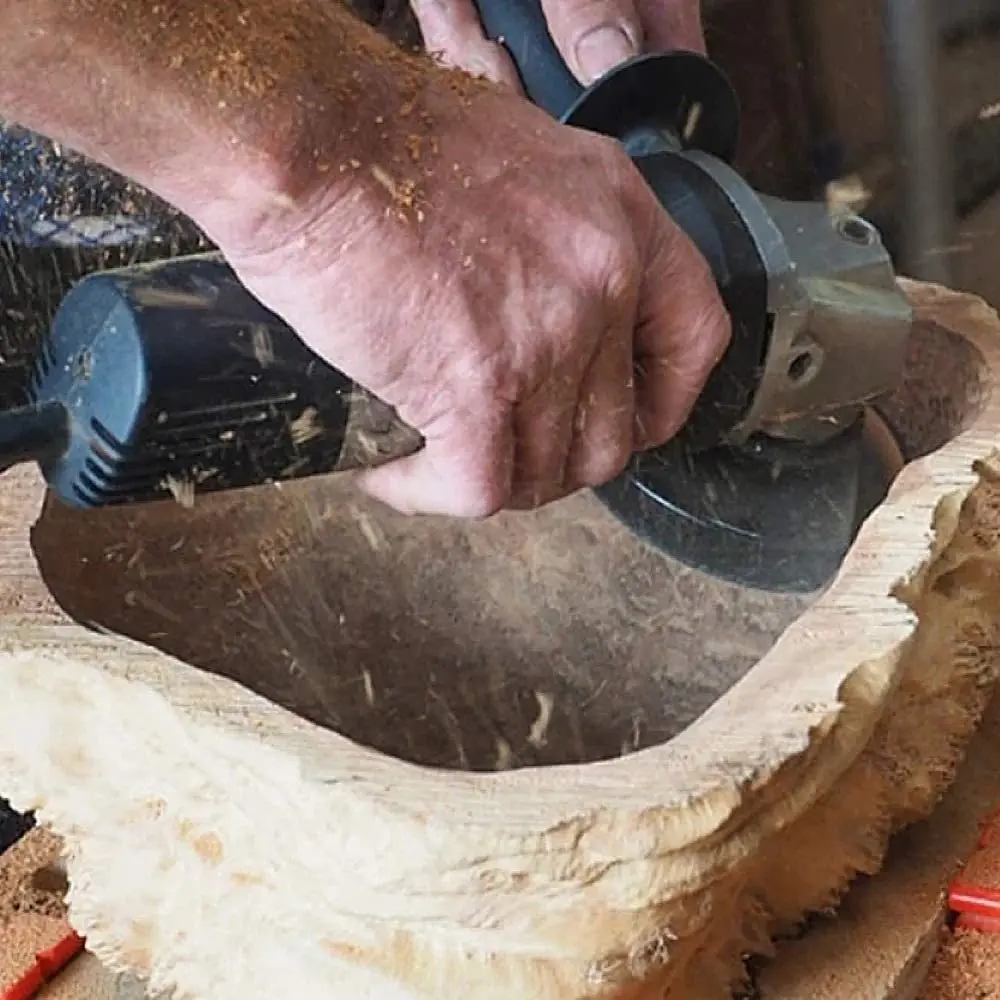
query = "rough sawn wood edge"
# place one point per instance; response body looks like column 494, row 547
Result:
column 223, row 847
column 883, row 941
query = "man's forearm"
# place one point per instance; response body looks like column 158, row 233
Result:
column 206, row 102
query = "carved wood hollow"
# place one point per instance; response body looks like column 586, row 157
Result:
column 526, row 640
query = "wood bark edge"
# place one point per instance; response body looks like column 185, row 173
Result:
column 222, row 847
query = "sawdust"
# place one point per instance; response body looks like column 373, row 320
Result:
column 61, row 217
column 87, row 979
column 470, row 646
column 32, row 903
column 22, row 939
column 182, row 490
column 966, row 968
column 882, row 940
column 305, row 426
column 30, row 880
column 263, row 74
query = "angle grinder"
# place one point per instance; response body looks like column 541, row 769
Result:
column 171, row 379
column 783, row 456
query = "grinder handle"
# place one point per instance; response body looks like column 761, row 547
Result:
column 521, row 27
column 190, row 363
column 372, row 433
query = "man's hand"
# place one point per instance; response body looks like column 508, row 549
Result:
column 529, row 307
column 593, row 36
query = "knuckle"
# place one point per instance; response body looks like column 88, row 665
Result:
column 496, row 63
column 609, row 237
column 480, row 488
column 712, row 335
column 611, row 259
column 535, row 494
column 721, row 325
column 611, row 163
column 620, row 166
column 483, row 60
column 614, row 242
column 622, row 274
column 607, row 461
column 656, row 429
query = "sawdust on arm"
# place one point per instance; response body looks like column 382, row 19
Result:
column 212, row 104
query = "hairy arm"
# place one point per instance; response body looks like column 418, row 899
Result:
column 212, row 104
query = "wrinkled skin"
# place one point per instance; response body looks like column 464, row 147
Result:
column 593, row 36
column 543, row 319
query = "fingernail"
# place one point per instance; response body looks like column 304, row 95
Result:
column 602, row 50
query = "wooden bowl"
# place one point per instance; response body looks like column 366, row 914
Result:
column 350, row 754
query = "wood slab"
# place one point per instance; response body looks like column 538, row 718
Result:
column 409, row 758
column 879, row 945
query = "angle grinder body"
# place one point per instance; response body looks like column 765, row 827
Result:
column 174, row 373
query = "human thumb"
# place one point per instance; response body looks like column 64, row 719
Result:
column 594, row 36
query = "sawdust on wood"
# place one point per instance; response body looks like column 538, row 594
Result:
column 480, row 647
column 31, row 877
column 882, row 939
column 32, row 904
column 966, row 968
column 85, row 978
column 983, row 868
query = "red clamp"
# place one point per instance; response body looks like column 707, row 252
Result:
column 975, row 893
column 48, row 964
